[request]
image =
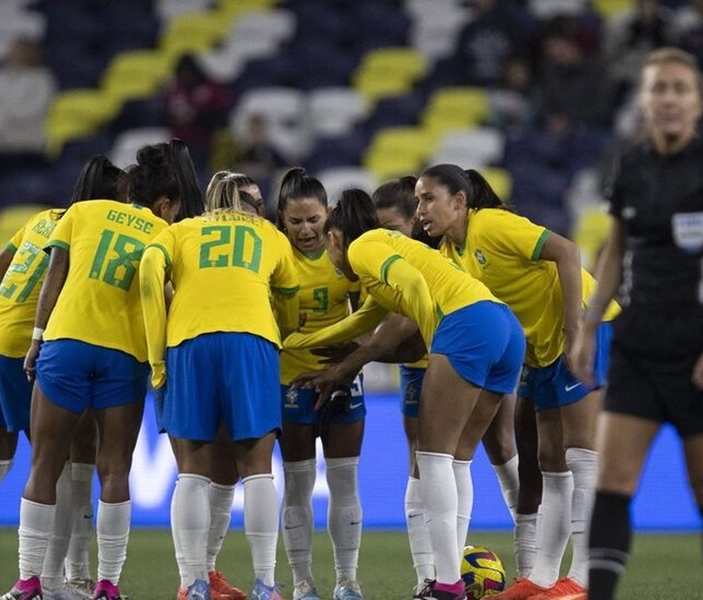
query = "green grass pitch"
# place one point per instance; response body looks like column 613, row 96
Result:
column 661, row 566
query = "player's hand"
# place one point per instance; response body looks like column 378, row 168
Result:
column 581, row 356
column 335, row 354
column 158, row 375
column 30, row 360
column 697, row 377
column 323, row 382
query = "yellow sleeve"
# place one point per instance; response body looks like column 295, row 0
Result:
column 363, row 320
column 63, row 232
column 284, row 289
column 15, row 241
column 156, row 261
column 415, row 298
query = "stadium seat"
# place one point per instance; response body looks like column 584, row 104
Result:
column 389, row 72
column 475, row 147
column 548, row 9
column 456, row 107
column 335, row 110
column 126, row 144
column 76, row 114
column 500, row 180
column 337, row 179
column 136, row 74
column 399, row 151
column 193, row 32
column 275, row 25
column 590, row 230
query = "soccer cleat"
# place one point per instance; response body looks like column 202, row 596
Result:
column 66, row 593
column 106, row 590
column 86, row 587
column 347, row 589
column 305, row 590
column 199, row 590
column 25, row 589
column 563, row 588
column 263, row 592
column 221, row 589
column 522, row 589
column 430, row 591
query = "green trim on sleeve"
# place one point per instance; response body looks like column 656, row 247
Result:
column 387, row 263
column 59, row 244
column 537, row 252
column 287, row 291
column 10, row 247
column 163, row 251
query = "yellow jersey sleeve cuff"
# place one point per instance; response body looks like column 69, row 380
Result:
column 287, row 291
column 164, row 252
column 537, row 252
column 387, row 263
column 56, row 244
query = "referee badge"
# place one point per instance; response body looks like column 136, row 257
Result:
column 688, row 231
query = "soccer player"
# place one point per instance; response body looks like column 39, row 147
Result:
column 88, row 350
column 538, row 274
column 206, row 351
column 23, row 266
column 224, row 467
column 326, row 296
column 653, row 258
column 475, row 343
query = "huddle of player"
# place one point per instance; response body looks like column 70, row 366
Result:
column 202, row 294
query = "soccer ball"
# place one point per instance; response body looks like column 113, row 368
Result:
column 482, row 571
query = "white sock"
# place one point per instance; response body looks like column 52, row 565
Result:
column 52, row 570
column 509, row 483
column 190, row 510
column 465, row 498
column 5, row 466
column 177, row 545
column 584, row 465
column 418, row 534
column 297, row 516
column 524, row 539
column 113, row 534
column 221, row 497
column 78, row 558
column 439, row 502
column 261, row 524
column 553, row 527
column 344, row 515
column 36, row 525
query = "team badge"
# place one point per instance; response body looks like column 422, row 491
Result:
column 480, row 258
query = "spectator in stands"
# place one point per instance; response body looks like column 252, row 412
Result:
column 195, row 107
column 27, row 89
column 514, row 103
column 630, row 37
column 496, row 32
column 575, row 90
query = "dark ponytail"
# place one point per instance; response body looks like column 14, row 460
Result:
column 398, row 194
column 153, row 176
column 192, row 200
column 479, row 193
column 353, row 215
column 99, row 180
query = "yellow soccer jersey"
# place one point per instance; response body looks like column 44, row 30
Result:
column 223, row 268
column 19, row 289
column 324, row 299
column 442, row 289
column 100, row 300
column 503, row 251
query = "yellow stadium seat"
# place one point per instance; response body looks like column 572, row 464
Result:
column 77, row 113
column 500, row 180
column 389, row 72
column 399, row 151
column 233, row 8
column 194, row 32
column 408, row 62
column 373, row 85
column 459, row 106
column 136, row 73
column 13, row 218
column 610, row 8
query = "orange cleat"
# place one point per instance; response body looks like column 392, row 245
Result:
column 522, row 589
column 563, row 588
column 220, row 589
